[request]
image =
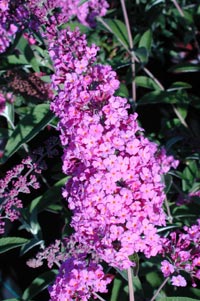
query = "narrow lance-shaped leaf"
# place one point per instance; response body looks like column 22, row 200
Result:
column 179, row 86
column 176, row 299
column 185, row 68
column 115, row 290
column 9, row 243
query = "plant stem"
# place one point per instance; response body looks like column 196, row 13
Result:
column 170, row 218
column 131, row 48
column 153, row 78
column 159, row 289
column 130, row 285
column 98, row 297
column 180, row 117
column 178, row 8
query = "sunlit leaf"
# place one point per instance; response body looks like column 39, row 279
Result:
column 25, row 49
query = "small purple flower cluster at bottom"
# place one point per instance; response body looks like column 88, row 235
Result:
column 79, row 279
column 183, row 253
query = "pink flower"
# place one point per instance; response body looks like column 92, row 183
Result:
column 167, row 268
column 178, row 281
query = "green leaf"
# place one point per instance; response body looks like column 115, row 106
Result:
column 168, row 182
column 8, row 243
column 39, row 284
column 189, row 175
column 146, row 40
column 8, row 113
column 13, row 299
column 27, row 128
column 185, row 67
column 142, row 54
column 5, row 133
column 173, row 141
column 17, row 60
column 182, row 111
column 164, row 97
column 118, row 29
column 135, row 258
column 175, row 299
column 179, row 86
column 153, row 279
column 25, row 57
column 25, row 49
column 122, row 91
column 51, row 196
column 116, row 289
column 136, row 281
column 146, row 82
column 46, row 78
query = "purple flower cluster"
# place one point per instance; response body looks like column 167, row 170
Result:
column 30, row 15
column 21, row 179
column 7, row 27
column 53, row 254
column 78, row 279
column 115, row 191
column 182, row 252
column 18, row 180
column 85, row 12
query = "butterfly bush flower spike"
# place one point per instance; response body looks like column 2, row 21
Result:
column 115, row 191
